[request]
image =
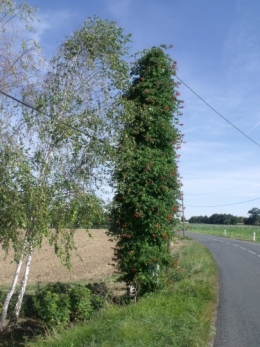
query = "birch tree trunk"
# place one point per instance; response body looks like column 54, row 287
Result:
column 19, row 301
column 10, row 294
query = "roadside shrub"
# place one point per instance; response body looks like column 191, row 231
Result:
column 100, row 294
column 51, row 306
column 80, row 303
column 28, row 309
column 59, row 304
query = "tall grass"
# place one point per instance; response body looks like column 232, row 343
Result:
column 242, row 232
column 180, row 315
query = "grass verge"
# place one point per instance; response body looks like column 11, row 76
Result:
column 180, row 315
column 241, row 232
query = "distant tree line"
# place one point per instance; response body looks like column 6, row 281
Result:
column 217, row 219
column 253, row 219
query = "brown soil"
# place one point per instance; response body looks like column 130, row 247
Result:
column 93, row 264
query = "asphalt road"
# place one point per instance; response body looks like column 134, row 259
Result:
column 238, row 315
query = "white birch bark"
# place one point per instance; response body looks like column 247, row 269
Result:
column 19, row 301
column 10, row 294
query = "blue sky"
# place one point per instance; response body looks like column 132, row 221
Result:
column 217, row 47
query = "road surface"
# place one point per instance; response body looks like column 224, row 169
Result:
column 238, row 316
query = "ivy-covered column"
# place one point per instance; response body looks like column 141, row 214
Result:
column 146, row 180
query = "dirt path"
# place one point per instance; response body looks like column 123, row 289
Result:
column 96, row 253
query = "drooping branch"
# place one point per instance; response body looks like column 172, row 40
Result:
column 60, row 141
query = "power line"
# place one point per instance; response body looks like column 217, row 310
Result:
column 235, row 203
column 248, row 137
column 213, row 109
column 49, row 116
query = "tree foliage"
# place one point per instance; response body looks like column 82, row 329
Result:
column 254, row 218
column 50, row 162
column 20, row 58
column 146, row 176
column 199, row 219
column 254, row 211
column 217, row 218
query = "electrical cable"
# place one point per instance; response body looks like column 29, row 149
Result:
column 47, row 115
column 235, row 203
column 213, row 109
column 248, row 137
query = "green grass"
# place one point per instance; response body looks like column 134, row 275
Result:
column 242, row 232
column 180, row 315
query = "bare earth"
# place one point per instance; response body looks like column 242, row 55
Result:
column 96, row 255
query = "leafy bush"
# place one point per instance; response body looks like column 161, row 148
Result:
column 52, row 306
column 28, row 308
column 58, row 304
column 80, row 303
column 100, row 294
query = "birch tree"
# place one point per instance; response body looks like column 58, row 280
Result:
column 20, row 59
column 60, row 146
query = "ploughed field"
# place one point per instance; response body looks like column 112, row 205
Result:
column 93, row 264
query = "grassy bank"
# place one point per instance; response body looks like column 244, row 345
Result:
column 181, row 315
column 242, row 232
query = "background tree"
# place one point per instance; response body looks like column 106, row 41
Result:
column 20, row 57
column 199, row 219
column 222, row 219
column 51, row 165
column 216, row 218
column 254, row 218
column 146, row 174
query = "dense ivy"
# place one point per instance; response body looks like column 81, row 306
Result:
column 146, row 179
